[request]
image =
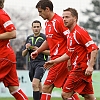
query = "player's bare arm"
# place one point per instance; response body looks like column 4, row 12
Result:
column 89, row 69
column 43, row 47
column 46, row 52
column 24, row 52
column 51, row 63
column 8, row 35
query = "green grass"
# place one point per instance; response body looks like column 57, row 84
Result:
column 32, row 99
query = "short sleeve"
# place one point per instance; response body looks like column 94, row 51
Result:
column 7, row 23
column 86, row 40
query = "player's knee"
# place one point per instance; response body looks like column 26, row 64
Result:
column 66, row 95
column 89, row 97
column 13, row 88
column 47, row 88
column 35, row 85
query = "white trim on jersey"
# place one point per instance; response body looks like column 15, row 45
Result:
column 74, row 35
column 53, row 22
column 89, row 43
column 7, row 23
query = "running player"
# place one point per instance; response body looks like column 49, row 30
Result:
column 8, row 74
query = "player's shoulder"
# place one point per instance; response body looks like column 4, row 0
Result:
column 3, row 13
column 30, row 36
column 58, row 18
column 80, row 30
column 42, row 35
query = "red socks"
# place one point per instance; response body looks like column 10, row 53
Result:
column 19, row 95
column 45, row 96
column 74, row 97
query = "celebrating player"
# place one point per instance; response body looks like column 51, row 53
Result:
column 82, row 52
column 8, row 74
column 56, row 42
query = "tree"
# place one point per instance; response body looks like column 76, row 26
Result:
column 93, row 22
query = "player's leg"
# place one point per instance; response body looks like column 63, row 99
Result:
column 46, row 92
column 17, row 93
column 36, row 91
column 68, row 89
column 88, row 93
column 75, row 97
column 40, row 88
column 67, row 96
column 36, row 83
column 89, row 97
column 11, row 81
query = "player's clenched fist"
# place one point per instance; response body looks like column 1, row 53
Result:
column 34, row 54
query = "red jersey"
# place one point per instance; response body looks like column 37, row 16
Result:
column 79, row 46
column 55, row 34
column 56, row 38
column 6, row 25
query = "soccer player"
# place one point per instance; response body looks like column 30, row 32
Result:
column 56, row 41
column 8, row 74
column 82, row 52
column 36, row 69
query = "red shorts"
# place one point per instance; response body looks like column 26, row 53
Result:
column 77, row 81
column 8, row 74
column 57, row 75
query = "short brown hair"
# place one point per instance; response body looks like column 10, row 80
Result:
column 45, row 3
column 1, row 4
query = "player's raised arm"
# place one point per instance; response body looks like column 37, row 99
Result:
column 51, row 63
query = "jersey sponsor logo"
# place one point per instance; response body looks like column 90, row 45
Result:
column 66, row 32
column 49, row 35
column 7, row 23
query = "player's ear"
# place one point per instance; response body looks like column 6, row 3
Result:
column 47, row 8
